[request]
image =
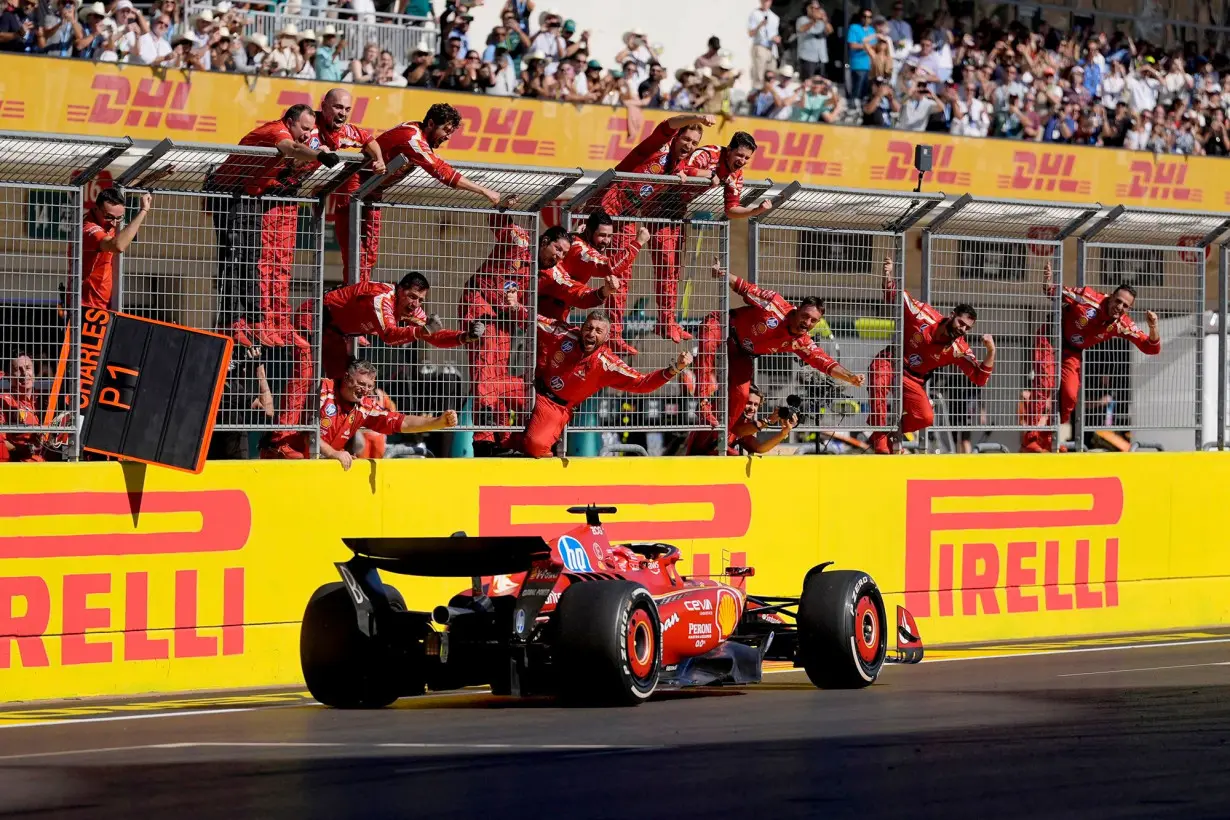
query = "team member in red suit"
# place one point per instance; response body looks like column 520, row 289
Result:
column 660, row 153
column 1089, row 319
column 353, row 406
column 1038, row 404
column 17, row 408
column 417, row 142
column 766, row 324
column 493, row 296
column 259, row 233
column 724, row 166
column 393, row 313
column 558, row 292
column 574, row 364
column 338, row 133
column 101, row 239
column 592, row 255
column 930, row 341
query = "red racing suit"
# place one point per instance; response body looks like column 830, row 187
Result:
column 497, row 393
column 402, row 140
column 349, row 137
column 584, row 263
column 757, row 329
column 923, row 353
column 97, row 265
column 558, row 293
column 1037, row 409
column 256, row 227
column 566, row 376
column 340, row 420
column 371, row 308
column 714, row 158
column 1086, row 324
column 26, row 446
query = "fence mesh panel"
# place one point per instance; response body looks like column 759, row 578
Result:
column 993, row 255
column 43, row 182
column 210, row 257
column 481, row 264
column 668, row 291
column 831, row 244
column 1164, row 257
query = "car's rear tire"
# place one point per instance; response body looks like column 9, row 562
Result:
column 842, row 629
column 344, row 668
column 608, row 644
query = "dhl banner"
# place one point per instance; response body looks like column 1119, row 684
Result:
column 118, row 580
column 79, row 97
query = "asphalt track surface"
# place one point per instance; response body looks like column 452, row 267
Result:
column 1140, row 731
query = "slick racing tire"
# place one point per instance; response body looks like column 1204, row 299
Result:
column 842, row 629
column 608, row 649
column 344, row 668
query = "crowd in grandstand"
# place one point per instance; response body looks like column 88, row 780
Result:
column 906, row 71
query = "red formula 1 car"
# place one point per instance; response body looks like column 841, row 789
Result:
column 580, row 618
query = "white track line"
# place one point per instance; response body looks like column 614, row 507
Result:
column 149, row 716
column 1142, row 669
column 518, row 747
column 1037, row 653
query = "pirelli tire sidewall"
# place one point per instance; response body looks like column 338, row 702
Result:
column 843, row 629
column 608, row 644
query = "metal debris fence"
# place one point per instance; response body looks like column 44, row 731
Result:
column 212, row 258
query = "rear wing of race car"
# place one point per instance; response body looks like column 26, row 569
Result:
column 458, row 556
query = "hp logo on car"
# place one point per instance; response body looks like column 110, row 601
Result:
column 573, row 554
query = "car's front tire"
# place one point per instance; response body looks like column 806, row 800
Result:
column 344, row 668
column 608, row 644
column 842, row 629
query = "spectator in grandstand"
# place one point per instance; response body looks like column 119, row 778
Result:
column 416, row 75
column 932, row 341
column 712, row 57
column 918, row 108
column 220, row 56
column 306, row 62
column 573, row 365
column 813, row 30
column 819, row 102
column 61, row 33
column 535, row 83
column 505, row 81
column 352, row 405
column 461, row 30
column 152, row 48
column 363, row 69
column 549, row 39
column 881, row 107
column 101, row 239
column 203, row 32
column 860, row 37
column 17, row 407
column 95, row 37
column 766, row 324
column 520, row 11
column 184, row 57
column 329, row 63
column 283, row 61
column 251, row 59
column 19, row 31
column 650, row 91
column 763, row 29
column 515, row 41
column 635, row 58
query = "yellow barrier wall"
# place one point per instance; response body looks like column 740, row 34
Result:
column 79, row 97
column 118, row 581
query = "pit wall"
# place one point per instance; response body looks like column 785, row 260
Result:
column 117, row 580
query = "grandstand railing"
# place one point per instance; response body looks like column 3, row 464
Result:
column 397, row 33
column 831, row 244
column 816, row 241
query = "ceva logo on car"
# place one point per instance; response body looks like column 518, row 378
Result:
column 573, row 554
